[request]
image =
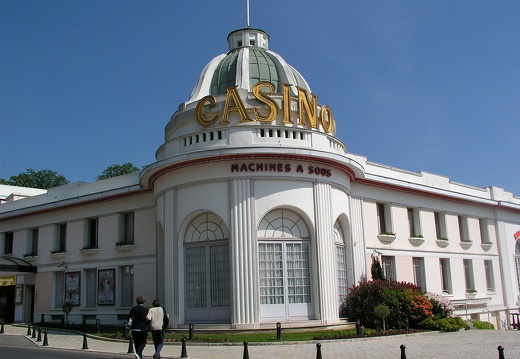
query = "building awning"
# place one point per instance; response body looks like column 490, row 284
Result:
column 15, row 265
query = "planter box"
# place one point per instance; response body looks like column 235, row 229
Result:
column 442, row 243
column 126, row 247
column 58, row 255
column 465, row 244
column 89, row 251
column 386, row 238
column 416, row 241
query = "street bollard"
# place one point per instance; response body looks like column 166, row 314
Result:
column 2, row 328
column 28, row 329
column 42, row 318
column 184, row 353
column 190, row 333
column 125, row 328
column 131, row 345
column 34, row 332
column 318, row 351
column 501, row 352
column 278, row 331
column 39, row 335
column 246, row 352
column 45, row 340
column 358, row 327
column 98, row 326
column 85, row 344
column 403, row 351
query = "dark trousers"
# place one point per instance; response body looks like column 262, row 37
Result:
column 139, row 341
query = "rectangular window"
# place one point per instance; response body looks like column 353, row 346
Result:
column 341, row 263
column 468, row 275
column 418, row 273
column 484, row 233
column 220, row 289
column 445, row 275
column 61, row 238
column 383, row 218
column 92, row 233
column 195, row 277
column 413, row 222
column 388, row 264
column 32, row 247
column 91, row 279
column 463, row 228
column 8, row 242
column 127, row 285
column 127, row 228
column 298, row 273
column 59, row 289
column 490, row 277
column 440, row 224
column 270, row 263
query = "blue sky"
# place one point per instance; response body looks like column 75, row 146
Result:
column 417, row 85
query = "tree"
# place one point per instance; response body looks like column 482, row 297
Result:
column 43, row 179
column 117, row 170
column 376, row 269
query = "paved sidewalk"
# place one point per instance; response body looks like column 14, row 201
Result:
column 471, row 344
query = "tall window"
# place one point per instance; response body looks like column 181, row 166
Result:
column 284, row 265
column 32, row 248
column 414, row 222
column 388, row 264
column 440, row 224
column 444, row 264
column 517, row 262
column 463, row 228
column 484, row 233
column 59, row 289
column 207, row 278
column 8, row 242
column 468, row 275
column 383, row 218
column 127, row 228
column 91, row 286
column 418, row 273
column 490, row 277
column 341, row 262
column 127, row 285
column 61, row 238
column 92, row 233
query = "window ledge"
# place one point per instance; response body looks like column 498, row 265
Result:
column 386, row 238
column 30, row 259
column 58, row 255
column 442, row 243
column 126, row 247
column 471, row 294
column 465, row 244
column 416, row 241
column 486, row 246
column 89, row 251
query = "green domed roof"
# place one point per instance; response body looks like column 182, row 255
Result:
column 247, row 62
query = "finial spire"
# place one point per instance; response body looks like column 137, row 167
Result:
column 247, row 12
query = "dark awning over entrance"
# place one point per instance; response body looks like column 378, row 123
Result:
column 16, row 265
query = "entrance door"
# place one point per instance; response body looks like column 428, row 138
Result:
column 7, row 303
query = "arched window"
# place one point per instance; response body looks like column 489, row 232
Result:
column 284, row 266
column 207, row 269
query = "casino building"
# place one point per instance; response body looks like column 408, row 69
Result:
column 253, row 213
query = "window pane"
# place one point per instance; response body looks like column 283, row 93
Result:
column 219, row 274
column 196, row 277
column 127, row 286
column 298, row 273
column 271, row 273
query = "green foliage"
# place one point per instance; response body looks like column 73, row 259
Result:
column 117, row 170
column 404, row 301
column 482, row 325
column 453, row 324
column 381, row 311
column 42, row 179
column 376, row 269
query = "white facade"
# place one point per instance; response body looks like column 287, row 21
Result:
column 254, row 213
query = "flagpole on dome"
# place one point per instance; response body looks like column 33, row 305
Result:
column 247, row 12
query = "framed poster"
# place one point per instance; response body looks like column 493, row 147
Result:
column 72, row 287
column 18, row 294
column 106, row 286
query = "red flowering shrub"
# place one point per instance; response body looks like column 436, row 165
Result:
column 406, row 301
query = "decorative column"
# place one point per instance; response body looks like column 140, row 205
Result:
column 357, row 242
column 166, row 217
column 243, row 253
column 326, row 254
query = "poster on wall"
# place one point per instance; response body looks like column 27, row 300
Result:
column 72, row 286
column 106, row 284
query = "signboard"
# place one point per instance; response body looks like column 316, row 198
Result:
column 7, row 280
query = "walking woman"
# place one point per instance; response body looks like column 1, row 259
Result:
column 139, row 326
column 157, row 317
